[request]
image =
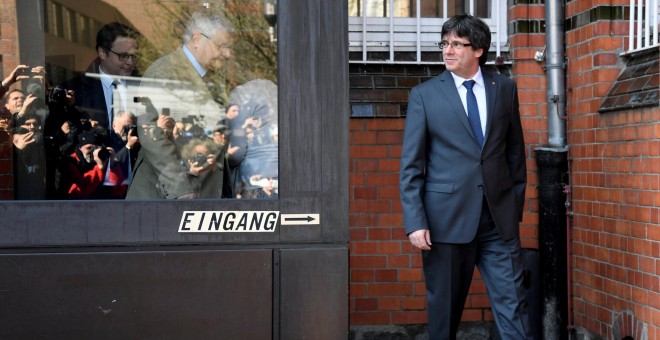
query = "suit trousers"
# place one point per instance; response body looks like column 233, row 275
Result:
column 448, row 270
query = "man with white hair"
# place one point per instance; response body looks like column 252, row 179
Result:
column 159, row 170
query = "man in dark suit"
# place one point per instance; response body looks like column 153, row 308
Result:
column 180, row 81
column 463, row 179
column 117, row 48
column 101, row 93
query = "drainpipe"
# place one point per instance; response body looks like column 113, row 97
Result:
column 552, row 162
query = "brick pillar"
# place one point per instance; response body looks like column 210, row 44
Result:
column 9, row 58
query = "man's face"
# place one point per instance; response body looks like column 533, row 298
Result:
column 15, row 102
column 122, row 48
column 120, row 122
column 201, row 149
column 464, row 62
column 31, row 125
column 219, row 138
column 88, row 151
column 211, row 50
column 232, row 112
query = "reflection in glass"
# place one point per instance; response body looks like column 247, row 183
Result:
column 190, row 113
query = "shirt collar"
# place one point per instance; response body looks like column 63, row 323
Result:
column 198, row 67
column 478, row 78
column 106, row 79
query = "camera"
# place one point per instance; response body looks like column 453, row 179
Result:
column 38, row 138
column 57, row 96
column 200, row 159
column 130, row 129
column 23, row 71
column 103, row 153
column 21, row 130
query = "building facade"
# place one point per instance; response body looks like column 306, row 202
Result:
column 613, row 137
column 612, row 122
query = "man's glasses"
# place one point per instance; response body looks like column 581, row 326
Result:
column 125, row 56
column 454, row 44
column 220, row 46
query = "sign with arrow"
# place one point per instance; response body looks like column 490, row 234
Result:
column 299, row 219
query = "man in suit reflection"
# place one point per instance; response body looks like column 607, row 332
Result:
column 117, row 53
column 160, row 172
column 101, row 93
column 462, row 183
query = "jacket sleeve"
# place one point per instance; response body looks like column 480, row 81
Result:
column 413, row 164
column 516, row 155
column 84, row 184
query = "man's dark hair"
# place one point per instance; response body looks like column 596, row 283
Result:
column 5, row 98
column 473, row 29
column 110, row 32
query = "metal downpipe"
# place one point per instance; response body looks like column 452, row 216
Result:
column 555, row 70
column 553, row 176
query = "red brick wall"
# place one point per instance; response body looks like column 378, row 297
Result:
column 616, row 189
column 387, row 285
column 9, row 59
column 386, row 278
column 615, row 177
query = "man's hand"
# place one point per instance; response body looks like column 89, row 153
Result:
column 232, row 149
column 421, row 239
column 196, row 169
column 132, row 140
column 29, row 100
column 165, row 122
column 4, row 124
column 99, row 161
column 70, row 97
column 19, row 73
column 39, row 73
column 22, row 141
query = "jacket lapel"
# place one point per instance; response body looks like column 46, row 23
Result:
column 491, row 94
column 448, row 88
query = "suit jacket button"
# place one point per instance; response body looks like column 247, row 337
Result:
column 480, row 186
column 482, row 162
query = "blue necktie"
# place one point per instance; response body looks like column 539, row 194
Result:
column 473, row 112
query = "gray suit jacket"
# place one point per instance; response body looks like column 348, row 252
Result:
column 444, row 173
column 159, row 170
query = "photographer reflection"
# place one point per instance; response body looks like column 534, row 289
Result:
column 15, row 101
column 254, row 139
column 203, row 167
column 29, row 159
column 126, row 144
column 162, row 171
column 61, row 129
column 18, row 104
column 87, row 169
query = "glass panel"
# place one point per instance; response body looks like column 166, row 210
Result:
column 404, row 8
column 429, row 8
column 377, row 8
column 179, row 100
column 354, row 8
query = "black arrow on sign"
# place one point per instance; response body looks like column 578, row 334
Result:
column 308, row 219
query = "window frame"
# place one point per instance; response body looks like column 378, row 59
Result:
column 415, row 34
column 313, row 153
